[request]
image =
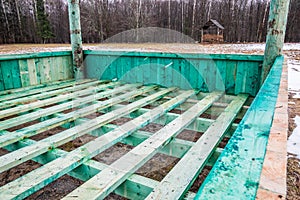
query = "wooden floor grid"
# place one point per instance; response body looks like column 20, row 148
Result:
column 69, row 127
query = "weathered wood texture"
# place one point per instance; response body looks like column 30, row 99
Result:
column 57, row 162
column 276, row 32
column 76, row 39
column 236, row 173
column 231, row 73
column 18, row 71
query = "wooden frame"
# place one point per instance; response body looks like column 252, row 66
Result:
column 84, row 98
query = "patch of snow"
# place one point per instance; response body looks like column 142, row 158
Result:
column 293, row 79
column 291, row 46
column 293, row 143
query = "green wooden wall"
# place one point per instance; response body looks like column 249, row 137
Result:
column 233, row 73
column 236, row 173
column 31, row 69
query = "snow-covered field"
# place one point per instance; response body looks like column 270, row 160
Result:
column 249, row 48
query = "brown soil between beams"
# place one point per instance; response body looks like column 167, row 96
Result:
column 293, row 165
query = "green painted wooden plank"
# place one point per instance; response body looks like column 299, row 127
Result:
column 67, row 68
column 109, row 179
column 15, row 73
column 45, row 71
column 77, row 92
column 59, row 120
column 185, row 71
column 43, row 95
column 241, row 78
column 61, row 68
column 53, row 69
column 22, row 92
column 38, row 65
column 87, row 151
column 178, row 181
column 32, row 72
column 230, row 80
column 253, row 83
column 200, row 124
column 236, row 173
column 24, row 73
column 29, row 88
column 70, row 73
column 175, row 55
column 12, row 159
column 61, row 107
column 220, row 74
column 1, row 80
column 34, row 55
column 7, row 75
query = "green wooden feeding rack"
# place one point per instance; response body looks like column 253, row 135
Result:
column 217, row 97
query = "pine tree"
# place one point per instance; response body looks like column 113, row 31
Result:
column 43, row 24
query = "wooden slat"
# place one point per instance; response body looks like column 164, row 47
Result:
column 37, row 104
column 1, row 80
column 180, row 178
column 24, row 73
column 22, row 92
column 62, row 119
column 69, row 162
column 200, row 124
column 7, row 75
column 109, row 179
column 15, row 73
column 32, row 72
column 12, row 159
column 48, row 94
column 58, row 108
column 33, row 87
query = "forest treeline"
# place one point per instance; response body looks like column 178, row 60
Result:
column 38, row 21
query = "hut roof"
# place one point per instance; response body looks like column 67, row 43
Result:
column 212, row 22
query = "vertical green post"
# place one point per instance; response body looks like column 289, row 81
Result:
column 76, row 40
column 276, row 33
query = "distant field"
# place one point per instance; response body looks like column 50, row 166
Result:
column 249, row 48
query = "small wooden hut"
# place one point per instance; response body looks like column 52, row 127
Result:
column 212, row 31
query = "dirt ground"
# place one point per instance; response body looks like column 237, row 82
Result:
column 66, row 183
column 293, row 168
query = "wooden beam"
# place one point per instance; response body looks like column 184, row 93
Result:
column 109, row 179
column 12, row 159
column 30, row 90
column 45, row 94
column 182, row 176
column 62, row 165
column 276, row 32
column 76, row 40
column 79, row 90
column 57, row 108
column 35, row 129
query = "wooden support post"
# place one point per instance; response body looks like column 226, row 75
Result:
column 76, row 40
column 276, row 33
